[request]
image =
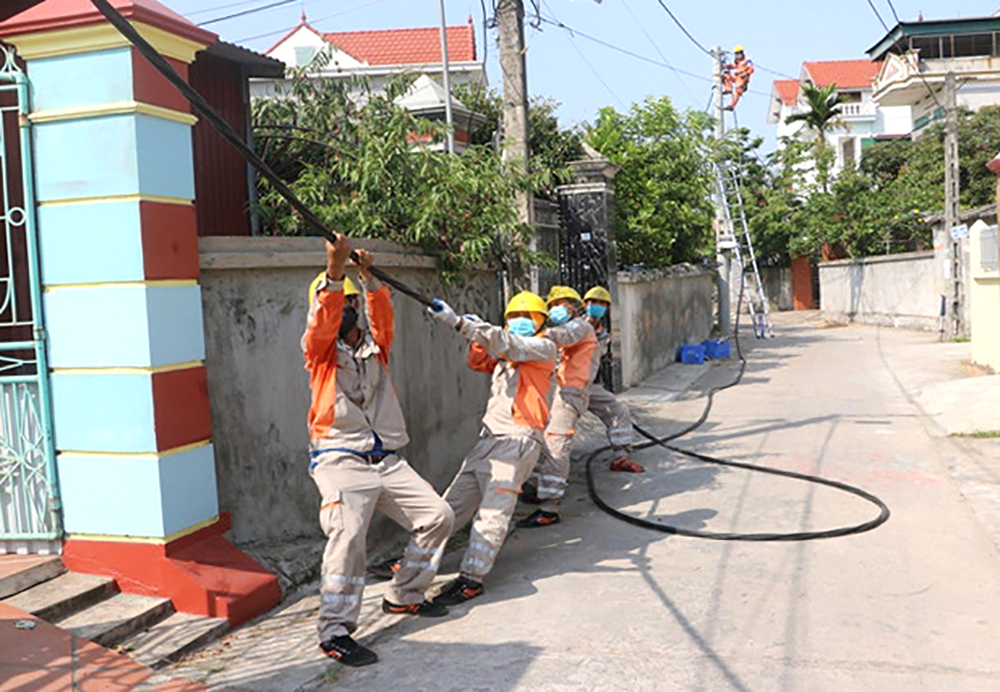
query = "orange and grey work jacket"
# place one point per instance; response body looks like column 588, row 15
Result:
column 522, row 369
column 744, row 70
column 579, row 362
column 354, row 405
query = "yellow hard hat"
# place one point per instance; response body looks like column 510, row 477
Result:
column 598, row 293
column 738, row 49
column 526, row 301
column 350, row 289
column 557, row 292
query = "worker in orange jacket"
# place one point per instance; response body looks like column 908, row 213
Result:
column 521, row 362
column 603, row 404
column 356, row 426
column 736, row 76
column 570, row 330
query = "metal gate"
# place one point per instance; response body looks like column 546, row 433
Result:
column 29, row 499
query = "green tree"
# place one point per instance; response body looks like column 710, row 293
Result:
column 823, row 113
column 355, row 162
column 663, row 188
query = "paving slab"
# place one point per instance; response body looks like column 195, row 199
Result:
column 46, row 658
column 63, row 595
column 20, row 572
column 113, row 620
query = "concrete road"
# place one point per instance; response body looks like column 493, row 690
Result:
column 596, row 604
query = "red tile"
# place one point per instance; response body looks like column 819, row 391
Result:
column 180, row 405
column 406, row 46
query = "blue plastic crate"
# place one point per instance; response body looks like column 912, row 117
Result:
column 717, row 349
column 692, row 354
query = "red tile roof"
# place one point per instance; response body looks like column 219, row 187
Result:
column 788, row 90
column 846, row 74
column 406, row 46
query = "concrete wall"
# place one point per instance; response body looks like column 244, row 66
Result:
column 777, row 287
column 901, row 290
column 254, row 300
column 658, row 311
column 985, row 296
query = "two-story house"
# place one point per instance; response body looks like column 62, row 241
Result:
column 862, row 120
column 917, row 56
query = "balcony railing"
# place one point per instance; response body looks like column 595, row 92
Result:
column 857, row 110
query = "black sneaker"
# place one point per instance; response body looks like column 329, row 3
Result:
column 386, row 569
column 347, row 651
column 459, row 591
column 424, row 609
column 538, row 518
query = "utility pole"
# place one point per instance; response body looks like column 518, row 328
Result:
column 510, row 25
column 951, row 202
column 722, row 230
column 449, row 120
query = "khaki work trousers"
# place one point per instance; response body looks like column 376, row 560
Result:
column 614, row 414
column 485, row 490
column 352, row 490
column 551, row 475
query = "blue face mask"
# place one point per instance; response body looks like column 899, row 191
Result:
column 522, row 326
column 560, row 314
column 596, row 311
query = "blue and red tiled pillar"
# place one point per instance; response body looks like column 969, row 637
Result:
column 118, row 236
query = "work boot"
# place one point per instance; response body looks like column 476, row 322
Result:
column 625, row 464
column 347, row 651
column 386, row 569
column 424, row 609
column 539, row 518
column 459, row 591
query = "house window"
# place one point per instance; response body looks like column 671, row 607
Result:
column 972, row 45
column 304, row 56
column 851, row 96
column 929, row 47
column 849, row 155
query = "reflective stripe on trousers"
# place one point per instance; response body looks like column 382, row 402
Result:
column 352, row 490
column 485, row 492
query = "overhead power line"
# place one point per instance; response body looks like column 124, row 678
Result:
column 572, row 40
column 252, row 10
column 683, row 28
column 656, row 46
column 314, row 21
column 875, row 10
column 229, row 5
column 891, row 7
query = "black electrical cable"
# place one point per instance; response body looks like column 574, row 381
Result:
column 202, row 106
column 882, row 517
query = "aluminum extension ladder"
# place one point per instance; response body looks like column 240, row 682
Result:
column 760, row 314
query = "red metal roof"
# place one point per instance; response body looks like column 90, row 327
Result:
column 846, row 74
column 788, row 90
column 406, row 46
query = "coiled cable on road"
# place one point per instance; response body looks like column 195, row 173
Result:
column 654, row 441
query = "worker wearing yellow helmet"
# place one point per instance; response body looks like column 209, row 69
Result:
column 356, row 429
column 521, row 362
column 577, row 342
column 736, row 76
column 602, row 403
column 351, row 292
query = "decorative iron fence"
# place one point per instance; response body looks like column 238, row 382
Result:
column 29, row 504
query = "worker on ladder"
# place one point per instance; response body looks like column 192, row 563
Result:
column 736, row 76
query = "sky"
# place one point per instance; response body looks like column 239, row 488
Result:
column 585, row 76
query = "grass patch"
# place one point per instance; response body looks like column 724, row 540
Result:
column 979, row 435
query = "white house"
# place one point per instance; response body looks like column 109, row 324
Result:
column 378, row 54
column 865, row 121
column 916, row 57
